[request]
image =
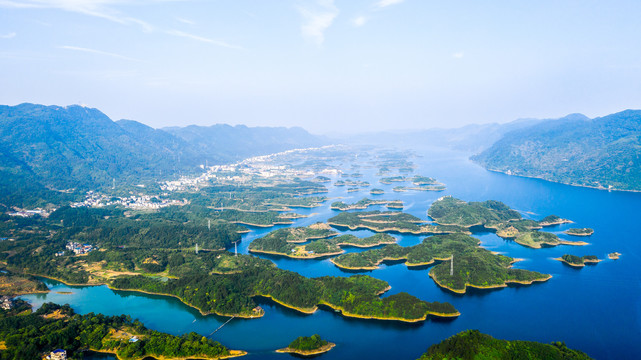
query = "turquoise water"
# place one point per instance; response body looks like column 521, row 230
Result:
column 596, row 309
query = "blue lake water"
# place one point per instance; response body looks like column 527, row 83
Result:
column 596, row 309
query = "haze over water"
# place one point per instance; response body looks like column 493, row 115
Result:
column 596, row 309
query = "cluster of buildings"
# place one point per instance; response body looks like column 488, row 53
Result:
column 30, row 213
column 79, row 249
column 58, row 354
column 6, row 303
column 138, row 202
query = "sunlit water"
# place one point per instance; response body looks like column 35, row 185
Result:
column 596, row 309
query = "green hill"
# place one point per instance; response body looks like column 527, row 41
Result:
column 47, row 149
column 602, row 152
column 472, row 345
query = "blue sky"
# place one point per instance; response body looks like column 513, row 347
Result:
column 324, row 65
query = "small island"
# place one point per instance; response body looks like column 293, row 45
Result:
column 365, row 203
column 308, row 346
column 390, row 221
column 614, row 256
column 377, row 191
column 472, row 344
column 579, row 231
column 578, row 261
column 317, row 248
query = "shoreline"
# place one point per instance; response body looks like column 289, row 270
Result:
column 232, row 354
column 316, row 256
column 320, row 350
column 585, row 262
column 488, row 287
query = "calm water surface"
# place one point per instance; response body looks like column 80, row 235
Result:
column 596, row 309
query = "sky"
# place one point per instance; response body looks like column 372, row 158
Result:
column 325, row 65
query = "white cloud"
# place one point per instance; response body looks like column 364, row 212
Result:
column 98, row 8
column 185, row 21
column 458, row 55
column 8, row 36
column 359, row 21
column 386, row 3
column 202, row 39
column 98, row 52
column 317, row 18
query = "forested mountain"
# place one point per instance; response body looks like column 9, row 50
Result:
column 603, row 152
column 236, row 142
column 46, row 149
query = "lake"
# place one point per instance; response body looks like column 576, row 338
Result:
column 596, row 309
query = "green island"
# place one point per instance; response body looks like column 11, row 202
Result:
column 579, row 231
column 473, row 266
column 30, row 335
column 495, row 215
column 614, row 256
column 389, row 221
column 315, row 249
column 365, row 203
column 353, row 189
column 302, row 234
column 578, row 261
column 391, row 179
column 474, row 345
column 308, row 346
column 377, row 191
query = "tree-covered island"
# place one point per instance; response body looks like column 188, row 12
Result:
column 308, row 346
column 495, row 215
column 579, row 231
column 578, row 261
column 473, row 266
column 316, row 248
column 389, row 221
column 474, row 345
column 365, row 203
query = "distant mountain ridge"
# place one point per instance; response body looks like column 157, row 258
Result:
column 604, row 152
column 52, row 147
column 240, row 141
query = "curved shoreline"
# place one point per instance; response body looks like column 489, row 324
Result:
column 393, row 230
column 484, row 287
column 557, row 182
column 585, row 261
column 316, row 256
column 232, row 354
column 320, row 350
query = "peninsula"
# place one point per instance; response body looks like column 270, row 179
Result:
column 59, row 327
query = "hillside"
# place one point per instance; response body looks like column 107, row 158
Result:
column 46, row 151
column 472, row 344
column 602, row 152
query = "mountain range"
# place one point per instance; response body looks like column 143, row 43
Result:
column 603, row 152
column 47, row 150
